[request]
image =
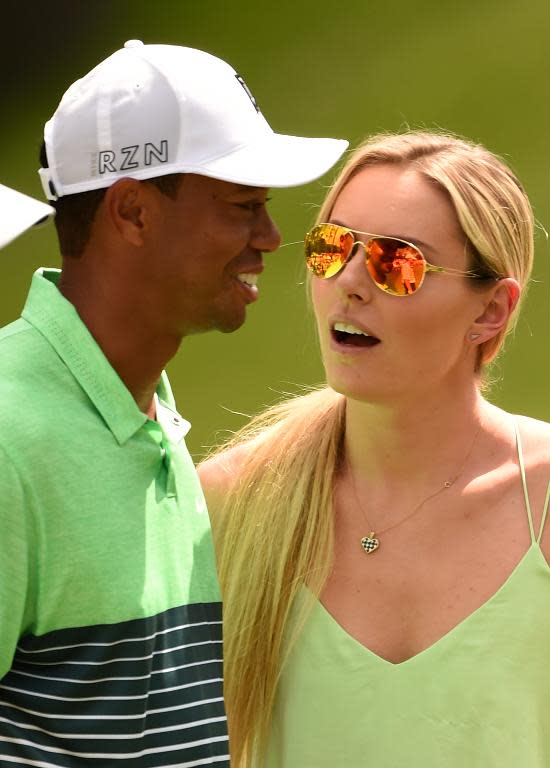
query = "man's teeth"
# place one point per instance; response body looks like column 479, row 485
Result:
column 248, row 279
column 345, row 328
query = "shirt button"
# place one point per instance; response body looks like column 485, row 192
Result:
column 175, row 420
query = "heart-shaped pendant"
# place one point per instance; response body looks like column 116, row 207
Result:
column 370, row 543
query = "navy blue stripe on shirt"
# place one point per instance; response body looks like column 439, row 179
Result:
column 147, row 692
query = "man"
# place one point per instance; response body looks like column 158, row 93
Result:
column 110, row 617
column 18, row 213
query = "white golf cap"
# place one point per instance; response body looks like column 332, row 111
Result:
column 18, row 212
column 151, row 110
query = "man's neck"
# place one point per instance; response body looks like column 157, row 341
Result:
column 137, row 351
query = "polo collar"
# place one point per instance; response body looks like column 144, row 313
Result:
column 53, row 316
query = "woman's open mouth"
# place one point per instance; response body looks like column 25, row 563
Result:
column 347, row 335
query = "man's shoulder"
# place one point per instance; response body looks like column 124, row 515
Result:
column 29, row 368
column 20, row 340
column 22, row 350
column 14, row 328
column 19, row 344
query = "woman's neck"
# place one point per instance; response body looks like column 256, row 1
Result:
column 405, row 449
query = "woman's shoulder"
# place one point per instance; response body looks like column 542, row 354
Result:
column 222, row 466
column 535, row 439
column 220, row 472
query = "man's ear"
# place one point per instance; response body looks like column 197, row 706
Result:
column 500, row 304
column 126, row 207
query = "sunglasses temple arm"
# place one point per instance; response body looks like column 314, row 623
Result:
column 450, row 271
column 296, row 242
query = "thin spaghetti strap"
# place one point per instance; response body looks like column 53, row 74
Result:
column 544, row 511
column 524, row 480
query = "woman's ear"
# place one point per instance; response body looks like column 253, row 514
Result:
column 500, row 304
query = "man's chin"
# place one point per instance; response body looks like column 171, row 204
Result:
column 230, row 327
column 221, row 324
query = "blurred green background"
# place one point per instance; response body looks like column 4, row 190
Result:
column 480, row 69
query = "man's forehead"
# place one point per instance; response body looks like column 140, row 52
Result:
column 219, row 188
column 242, row 189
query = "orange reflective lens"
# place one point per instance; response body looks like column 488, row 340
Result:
column 395, row 266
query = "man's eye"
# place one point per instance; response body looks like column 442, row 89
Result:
column 253, row 205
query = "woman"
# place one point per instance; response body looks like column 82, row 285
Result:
column 382, row 561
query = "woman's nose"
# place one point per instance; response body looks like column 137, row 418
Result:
column 353, row 281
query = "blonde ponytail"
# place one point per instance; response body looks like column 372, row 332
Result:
column 274, row 534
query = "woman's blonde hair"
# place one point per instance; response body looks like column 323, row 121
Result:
column 275, row 531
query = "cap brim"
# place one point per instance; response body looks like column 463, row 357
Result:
column 276, row 161
column 19, row 212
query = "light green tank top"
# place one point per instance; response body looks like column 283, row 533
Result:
column 478, row 698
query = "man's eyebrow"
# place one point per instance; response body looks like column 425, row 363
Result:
column 245, row 188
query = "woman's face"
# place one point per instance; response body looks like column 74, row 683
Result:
column 415, row 343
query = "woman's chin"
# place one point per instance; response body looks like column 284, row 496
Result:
column 354, row 390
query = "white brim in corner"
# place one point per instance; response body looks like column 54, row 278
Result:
column 19, row 212
column 275, row 161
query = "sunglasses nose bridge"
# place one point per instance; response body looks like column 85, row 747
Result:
column 357, row 246
column 360, row 245
column 349, row 256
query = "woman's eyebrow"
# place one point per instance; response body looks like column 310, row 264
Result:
column 413, row 240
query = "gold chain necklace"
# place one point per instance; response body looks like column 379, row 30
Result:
column 371, row 542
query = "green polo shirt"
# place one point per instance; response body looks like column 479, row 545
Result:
column 110, row 613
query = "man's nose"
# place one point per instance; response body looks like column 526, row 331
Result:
column 266, row 236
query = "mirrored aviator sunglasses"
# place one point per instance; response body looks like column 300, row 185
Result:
column 395, row 266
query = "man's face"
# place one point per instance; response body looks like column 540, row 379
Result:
column 204, row 253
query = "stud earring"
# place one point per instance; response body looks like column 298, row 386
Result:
column 474, row 336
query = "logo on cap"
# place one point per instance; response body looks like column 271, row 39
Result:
column 132, row 157
column 248, row 92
